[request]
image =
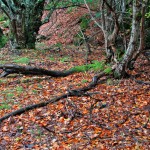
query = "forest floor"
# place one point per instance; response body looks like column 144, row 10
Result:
column 116, row 115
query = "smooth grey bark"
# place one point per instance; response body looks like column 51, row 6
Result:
column 120, row 70
column 25, row 20
column 110, row 34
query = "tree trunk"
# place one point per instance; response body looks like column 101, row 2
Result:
column 1, row 32
column 25, row 20
column 120, row 70
column 142, row 44
column 1, row 38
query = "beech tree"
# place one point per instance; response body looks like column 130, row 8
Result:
column 114, row 17
column 25, row 20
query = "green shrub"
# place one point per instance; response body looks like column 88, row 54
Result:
column 70, row 9
column 2, row 17
column 65, row 59
column 2, row 61
column 108, row 70
column 4, row 106
column 3, row 81
column 9, row 95
column 59, row 45
column 60, row 4
column 84, row 24
column 3, row 41
column 6, row 24
column 52, row 58
column 23, row 60
column 19, row 89
column 96, row 65
column 84, row 81
column 78, row 39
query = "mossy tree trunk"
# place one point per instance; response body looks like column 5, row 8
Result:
column 1, row 37
column 25, row 20
column 1, row 33
column 138, row 15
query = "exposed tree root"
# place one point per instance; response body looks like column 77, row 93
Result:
column 76, row 92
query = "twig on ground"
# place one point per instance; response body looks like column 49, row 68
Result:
column 76, row 92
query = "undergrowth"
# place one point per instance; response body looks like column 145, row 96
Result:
column 3, row 41
column 23, row 60
column 95, row 65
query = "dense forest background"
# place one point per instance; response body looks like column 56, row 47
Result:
column 74, row 74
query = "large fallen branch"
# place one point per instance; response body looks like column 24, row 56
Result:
column 29, row 70
column 76, row 92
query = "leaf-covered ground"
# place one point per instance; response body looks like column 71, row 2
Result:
column 114, row 116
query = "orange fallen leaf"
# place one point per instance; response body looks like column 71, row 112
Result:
column 5, row 128
column 7, row 138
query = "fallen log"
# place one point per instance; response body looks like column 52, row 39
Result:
column 29, row 70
